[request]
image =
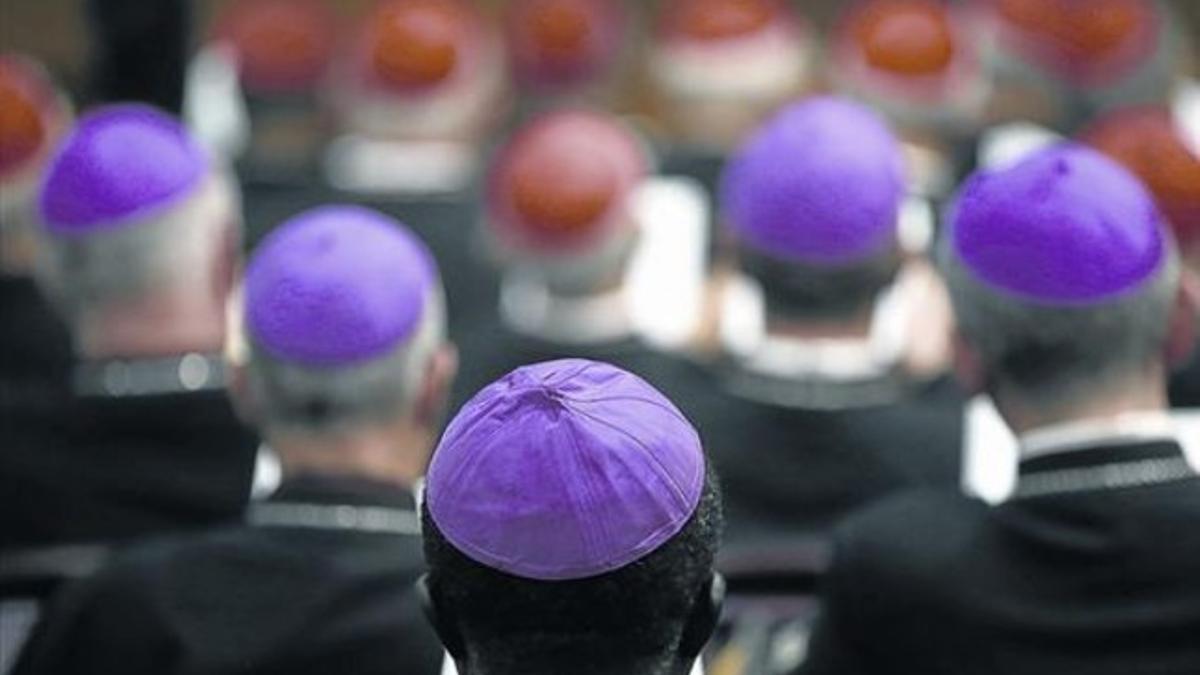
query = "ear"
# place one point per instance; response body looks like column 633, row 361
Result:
column 702, row 623
column 227, row 261
column 442, row 622
column 435, row 388
column 1181, row 335
column 968, row 367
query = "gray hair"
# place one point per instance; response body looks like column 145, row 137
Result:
column 170, row 250
column 330, row 400
column 1054, row 354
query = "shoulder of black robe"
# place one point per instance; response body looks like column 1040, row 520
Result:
column 111, row 469
column 794, row 472
column 35, row 347
column 263, row 599
column 1101, row 582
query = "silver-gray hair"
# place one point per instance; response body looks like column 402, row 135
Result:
column 171, row 250
column 1050, row 355
column 336, row 399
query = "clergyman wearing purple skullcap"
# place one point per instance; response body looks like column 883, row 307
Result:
column 138, row 249
column 346, row 379
column 1060, row 269
column 1071, row 310
column 341, row 293
column 571, row 521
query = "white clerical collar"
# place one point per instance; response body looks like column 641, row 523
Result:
column 1126, row 428
column 744, row 336
column 529, row 308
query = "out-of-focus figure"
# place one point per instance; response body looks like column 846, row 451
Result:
column 1067, row 291
column 568, row 50
column 281, row 51
column 1057, row 62
column 139, row 237
column 1150, row 142
column 571, row 520
column 421, row 84
column 917, row 62
column 718, row 67
column 140, row 51
column 34, row 347
column 576, row 223
column 346, row 379
column 827, row 388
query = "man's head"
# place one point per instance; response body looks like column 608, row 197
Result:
column 559, row 199
column 32, row 117
column 560, row 44
column 1066, row 284
column 345, row 318
column 1082, row 42
column 570, row 526
column 136, row 222
column 281, row 46
column 812, row 199
column 1150, row 142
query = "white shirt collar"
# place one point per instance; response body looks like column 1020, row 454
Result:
column 743, row 334
column 1131, row 427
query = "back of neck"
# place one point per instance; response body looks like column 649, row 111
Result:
column 152, row 328
column 1133, row 395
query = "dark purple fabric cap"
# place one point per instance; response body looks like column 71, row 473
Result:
column 1065, row 226
column 565, row 470
column 337, row 285
column 821, row 182
column 119, row 163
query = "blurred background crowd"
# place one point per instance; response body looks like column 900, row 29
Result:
column 612, row 180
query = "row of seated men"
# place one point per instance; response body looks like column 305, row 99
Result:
column 571, row 511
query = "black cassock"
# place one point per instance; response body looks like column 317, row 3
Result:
column 104, row 469
column 319, row 579
column 35, row 347
column 1067, row 577
column 794, row 457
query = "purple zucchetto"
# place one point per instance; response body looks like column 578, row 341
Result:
column 821, row 182
column 120, row 163
column 337, row 285
column 1066, row 226
column 565, row 470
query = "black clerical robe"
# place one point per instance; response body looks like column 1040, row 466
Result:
column 35, row 347
column 791, row 470
column 1069, row 576
column 108, row 469
column 319, row 579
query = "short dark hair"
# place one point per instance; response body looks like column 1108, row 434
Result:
column 632, row 617
column 797, row 290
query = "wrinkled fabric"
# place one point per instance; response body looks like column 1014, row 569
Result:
column 565, row 470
